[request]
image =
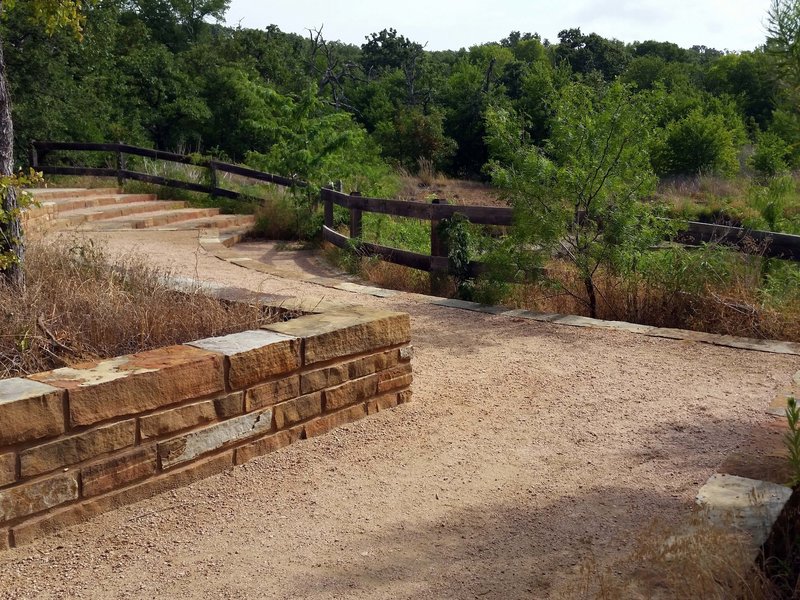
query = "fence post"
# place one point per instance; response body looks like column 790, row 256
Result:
column 439, row 250
column 120, row 167
column 33, row 155
column 355, row 220
column 212, row 167
column 328, row 204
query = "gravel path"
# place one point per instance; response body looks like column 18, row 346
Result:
column 529, row 448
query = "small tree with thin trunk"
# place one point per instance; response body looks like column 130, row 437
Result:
column 581, row 195
column 51, row 14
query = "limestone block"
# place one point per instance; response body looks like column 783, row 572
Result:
column 351, row 392
column 322, row 378
column 271, row 393
column 255, row 356
column 749, row 505
column 327, row 422
column 344, row 332
column 191, row 415
column 48, row 523
column 34, row 497
column 373, row 364
column 29, row 410
column 119, row 470
column 77, row 448
column 297, row 410
column 140, row 382
column 395, row 379
column 268, row 444
column 8, row 468
column 381, row 403
column 191, row 445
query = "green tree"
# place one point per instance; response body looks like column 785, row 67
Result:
column 51, row 14
column 581, row 196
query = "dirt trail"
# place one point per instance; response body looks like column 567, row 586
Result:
column 528, row 448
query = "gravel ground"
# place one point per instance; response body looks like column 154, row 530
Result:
column 528, row 449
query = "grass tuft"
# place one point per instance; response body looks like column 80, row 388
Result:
column 79, row 305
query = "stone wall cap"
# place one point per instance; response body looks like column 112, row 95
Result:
column 340, row 318
column 104, row 371
column 236, row 343
column 17, row 388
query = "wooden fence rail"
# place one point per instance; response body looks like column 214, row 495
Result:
column 765, row 243
column 40, row 149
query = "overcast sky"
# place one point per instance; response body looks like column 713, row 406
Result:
column 722, row 24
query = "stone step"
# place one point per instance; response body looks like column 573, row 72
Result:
column 43, row 194
column 61, row 205
column 215, row 222
column 159, row 218
column 113, row 211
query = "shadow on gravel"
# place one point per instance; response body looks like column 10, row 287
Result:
column 490, row 550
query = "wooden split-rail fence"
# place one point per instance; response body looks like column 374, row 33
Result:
column 765, row 243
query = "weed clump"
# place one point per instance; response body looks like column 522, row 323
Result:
column 78, row 305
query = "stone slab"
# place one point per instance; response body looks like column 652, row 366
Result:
column 191, row 415
column 119, row 471
column 31, row 498
column 325, row 423
column 357, row 288
column 188, row 447
column 272, row 393
column 342, row 333
column 748, row 505
column 77, row 448
column 254, row 356
column 49, row 523
column 533, row 315
column 382, row 403
column 137, row 383
column 471, row 306
column 29, row 410
column 8, row 468
column 351, row 392
column 297, row 410
column 268, row 444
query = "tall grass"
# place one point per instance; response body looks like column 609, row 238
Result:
column 700, row 561
column 80, row 305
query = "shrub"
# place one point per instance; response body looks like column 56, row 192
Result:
column 698, row 143
column 770, row 156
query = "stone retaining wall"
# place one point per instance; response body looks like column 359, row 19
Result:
column 79, row 441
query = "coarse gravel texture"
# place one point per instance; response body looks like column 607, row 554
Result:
column 528, row 448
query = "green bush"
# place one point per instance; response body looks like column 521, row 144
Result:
column 770, row 156
column 698, row 143
column 771, row 201
column 681, row 270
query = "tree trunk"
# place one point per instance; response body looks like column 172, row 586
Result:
column 588, row 282
column 11, row 231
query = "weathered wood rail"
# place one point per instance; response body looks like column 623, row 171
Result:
column 39, row 150
column 764, row 243
column 437, row 262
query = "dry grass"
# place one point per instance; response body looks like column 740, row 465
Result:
column 428, row 185
column 78, row 305
column 374, row 270
column 699, row 561
column 730, row 309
